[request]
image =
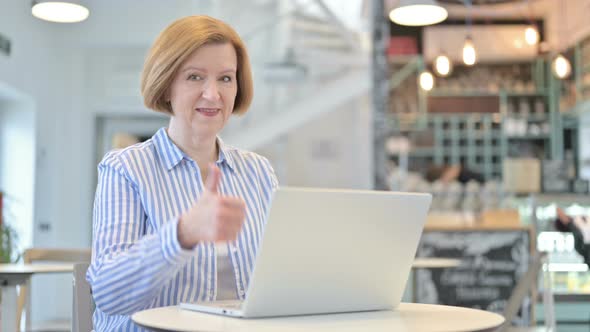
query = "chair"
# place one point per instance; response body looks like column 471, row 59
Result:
column 36, row 255
column 82, row 304
column 523, row 287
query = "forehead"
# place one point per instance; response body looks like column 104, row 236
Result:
column 218, row 56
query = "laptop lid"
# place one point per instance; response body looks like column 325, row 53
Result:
column 330, row 250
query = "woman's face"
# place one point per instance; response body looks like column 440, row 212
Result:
column 204, row 90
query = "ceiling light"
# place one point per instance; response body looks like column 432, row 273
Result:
column 59, row 11
column 418, row 13
column 531, row 35
column 426, row 80
column 469, row 54
column 443, row 65
column 561, row 67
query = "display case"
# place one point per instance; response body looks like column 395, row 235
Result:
column 570, row 279
column 569, row 273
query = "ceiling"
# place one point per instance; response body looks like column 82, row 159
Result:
column 497, row 9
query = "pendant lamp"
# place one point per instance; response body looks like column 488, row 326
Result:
column 418, row 13
column 59, row 11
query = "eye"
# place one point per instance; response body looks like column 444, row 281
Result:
column 194, row 77
column 226, row 79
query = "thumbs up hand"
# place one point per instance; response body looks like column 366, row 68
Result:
column 212, row 218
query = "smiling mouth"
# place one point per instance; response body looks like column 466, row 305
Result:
column 208, row 111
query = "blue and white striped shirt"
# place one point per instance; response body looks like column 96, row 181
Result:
column 137, row 262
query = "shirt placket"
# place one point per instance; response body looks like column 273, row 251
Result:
column 237, row 267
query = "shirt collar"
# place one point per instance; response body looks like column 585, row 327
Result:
column 172, row 155
column 167, row 150
column 224, row 154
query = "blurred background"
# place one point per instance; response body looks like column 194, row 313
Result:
column 486, row 108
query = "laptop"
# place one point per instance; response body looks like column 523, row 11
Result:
column 331, row 251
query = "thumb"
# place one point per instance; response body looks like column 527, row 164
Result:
column 213, row 178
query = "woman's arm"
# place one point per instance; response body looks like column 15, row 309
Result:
column 128, row 268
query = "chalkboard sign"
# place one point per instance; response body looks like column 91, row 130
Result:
column 492, row 262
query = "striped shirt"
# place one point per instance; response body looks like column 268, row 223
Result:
column 137, row 262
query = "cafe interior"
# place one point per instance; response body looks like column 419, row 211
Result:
column 485, row 104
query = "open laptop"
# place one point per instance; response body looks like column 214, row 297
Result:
column 329, row 251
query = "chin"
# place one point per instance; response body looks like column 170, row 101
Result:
column 204, row 130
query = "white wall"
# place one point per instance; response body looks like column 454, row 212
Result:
column 17, row 166
column 35, row 69
column 333, row 151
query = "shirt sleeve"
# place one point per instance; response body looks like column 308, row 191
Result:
column 128, row 268
column 268, row 179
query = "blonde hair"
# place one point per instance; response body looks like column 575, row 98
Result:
column 175, row 44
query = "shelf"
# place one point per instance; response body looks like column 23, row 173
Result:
column 479, row 134
column 538, row 93
column 418, row 152
column 562, row 199
column 461, row 93
column 530, row 117
column 545, row 199
column 422, row 152
column 484, row 93
column 529, row 137
column 567, row 297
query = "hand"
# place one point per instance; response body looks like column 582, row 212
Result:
column 213, row 217
column 562, row 216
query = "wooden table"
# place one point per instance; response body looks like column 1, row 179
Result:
column 435, row 263
column 409, row 317
column 430, row 263
column 12, row 275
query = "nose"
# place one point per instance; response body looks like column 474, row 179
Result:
column 210, row 91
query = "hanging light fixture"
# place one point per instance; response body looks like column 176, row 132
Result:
column 418, row 13
column 59, row 11
column 426, row 80
column 443, row 65
column 561, row 67
column 469, row 53
column 531, row 35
